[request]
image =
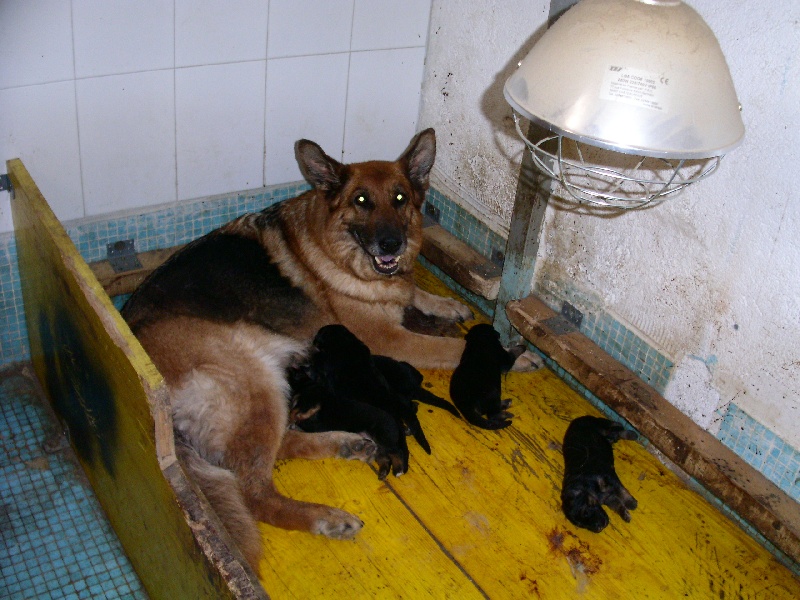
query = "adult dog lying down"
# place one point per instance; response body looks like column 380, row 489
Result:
column 224, row 317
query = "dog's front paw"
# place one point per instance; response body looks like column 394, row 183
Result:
column 439, row 306
column 356, row 446
column 338, row 525
column 456, row 311
column 528, row 361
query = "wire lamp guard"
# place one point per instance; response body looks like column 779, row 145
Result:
column 638, row 98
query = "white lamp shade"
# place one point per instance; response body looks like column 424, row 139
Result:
column 642, row 77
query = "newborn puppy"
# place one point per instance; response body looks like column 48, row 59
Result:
column 315, row 408
column 345, row 368
column 350, row 370
column 589, row 476
column 406, row 382
column 476, row 383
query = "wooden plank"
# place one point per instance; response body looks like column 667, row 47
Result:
column 469, row 268
column 117, row 284
column 488, row 502
column 746, row 491
column 393, row 556
column 114, row 402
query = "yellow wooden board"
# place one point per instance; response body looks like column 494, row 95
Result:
column 105, row 389
column 481, row 517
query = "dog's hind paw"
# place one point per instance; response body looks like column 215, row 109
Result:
column 338, row 525
column 358, row 447
column 528, row 361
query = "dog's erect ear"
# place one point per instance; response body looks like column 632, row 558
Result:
column 419, row 157
column 319, row 169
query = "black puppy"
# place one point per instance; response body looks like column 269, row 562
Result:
column 356, row 390
column 589, row 476
column 406, row 382
column 476, row 383
column 315, row 408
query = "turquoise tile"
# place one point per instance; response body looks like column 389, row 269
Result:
column 52, row 517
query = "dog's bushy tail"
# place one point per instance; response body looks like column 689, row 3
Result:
column 221, row 489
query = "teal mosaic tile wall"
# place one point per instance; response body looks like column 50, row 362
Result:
column 625, row 346
column 762, row 449
column 13, row 333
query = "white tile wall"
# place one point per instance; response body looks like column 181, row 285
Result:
column 220, row 129
column 127, row 136
column 386, row 24
column 48, row 24
column 219, row 31
column 121, row 104
column 302, row 27
column 123, row 36
column 304, row 107
column 382, row 103
column 39, row 126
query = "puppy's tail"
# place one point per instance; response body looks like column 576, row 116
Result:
column 221, row 489
column 427, row 397
column 416, row 430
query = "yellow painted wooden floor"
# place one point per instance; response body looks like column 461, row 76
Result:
column 481, row 517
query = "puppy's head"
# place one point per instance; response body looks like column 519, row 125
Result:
column 401, row 376
column 582, row 505
column 337, row 343
column 373, row 225
column 483, row 334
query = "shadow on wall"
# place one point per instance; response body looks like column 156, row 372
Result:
column 494, row 106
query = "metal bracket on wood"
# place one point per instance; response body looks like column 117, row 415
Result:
column 122, row 256
column 5, row 183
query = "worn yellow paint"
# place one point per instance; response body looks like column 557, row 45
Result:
column 481, row 517
column 110, row 395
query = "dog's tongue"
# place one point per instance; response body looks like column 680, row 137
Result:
column 386, row 259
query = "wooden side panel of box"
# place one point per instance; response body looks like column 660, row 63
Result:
column 114, row 402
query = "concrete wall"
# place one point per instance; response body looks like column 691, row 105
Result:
column 121, row 105
column 711, row 279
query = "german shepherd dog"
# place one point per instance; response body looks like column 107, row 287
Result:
column 224, row 317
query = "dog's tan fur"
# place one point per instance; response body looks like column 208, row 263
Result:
column 227, row 378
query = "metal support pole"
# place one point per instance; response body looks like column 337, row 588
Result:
column 530, row 204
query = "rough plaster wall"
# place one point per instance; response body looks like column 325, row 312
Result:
column 472, row 49
column 711, row 278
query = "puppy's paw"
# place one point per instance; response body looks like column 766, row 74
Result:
column 338, row 525
column 528, row 361
column 384, row 464
column 356, row 446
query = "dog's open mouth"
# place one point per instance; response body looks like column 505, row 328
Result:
column 385, row 265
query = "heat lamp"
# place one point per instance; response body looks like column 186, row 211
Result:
column 636, row 97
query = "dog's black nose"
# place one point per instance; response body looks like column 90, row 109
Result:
column 390, row 245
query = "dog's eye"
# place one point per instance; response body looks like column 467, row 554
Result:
column 400, row 199
column 360, row 200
